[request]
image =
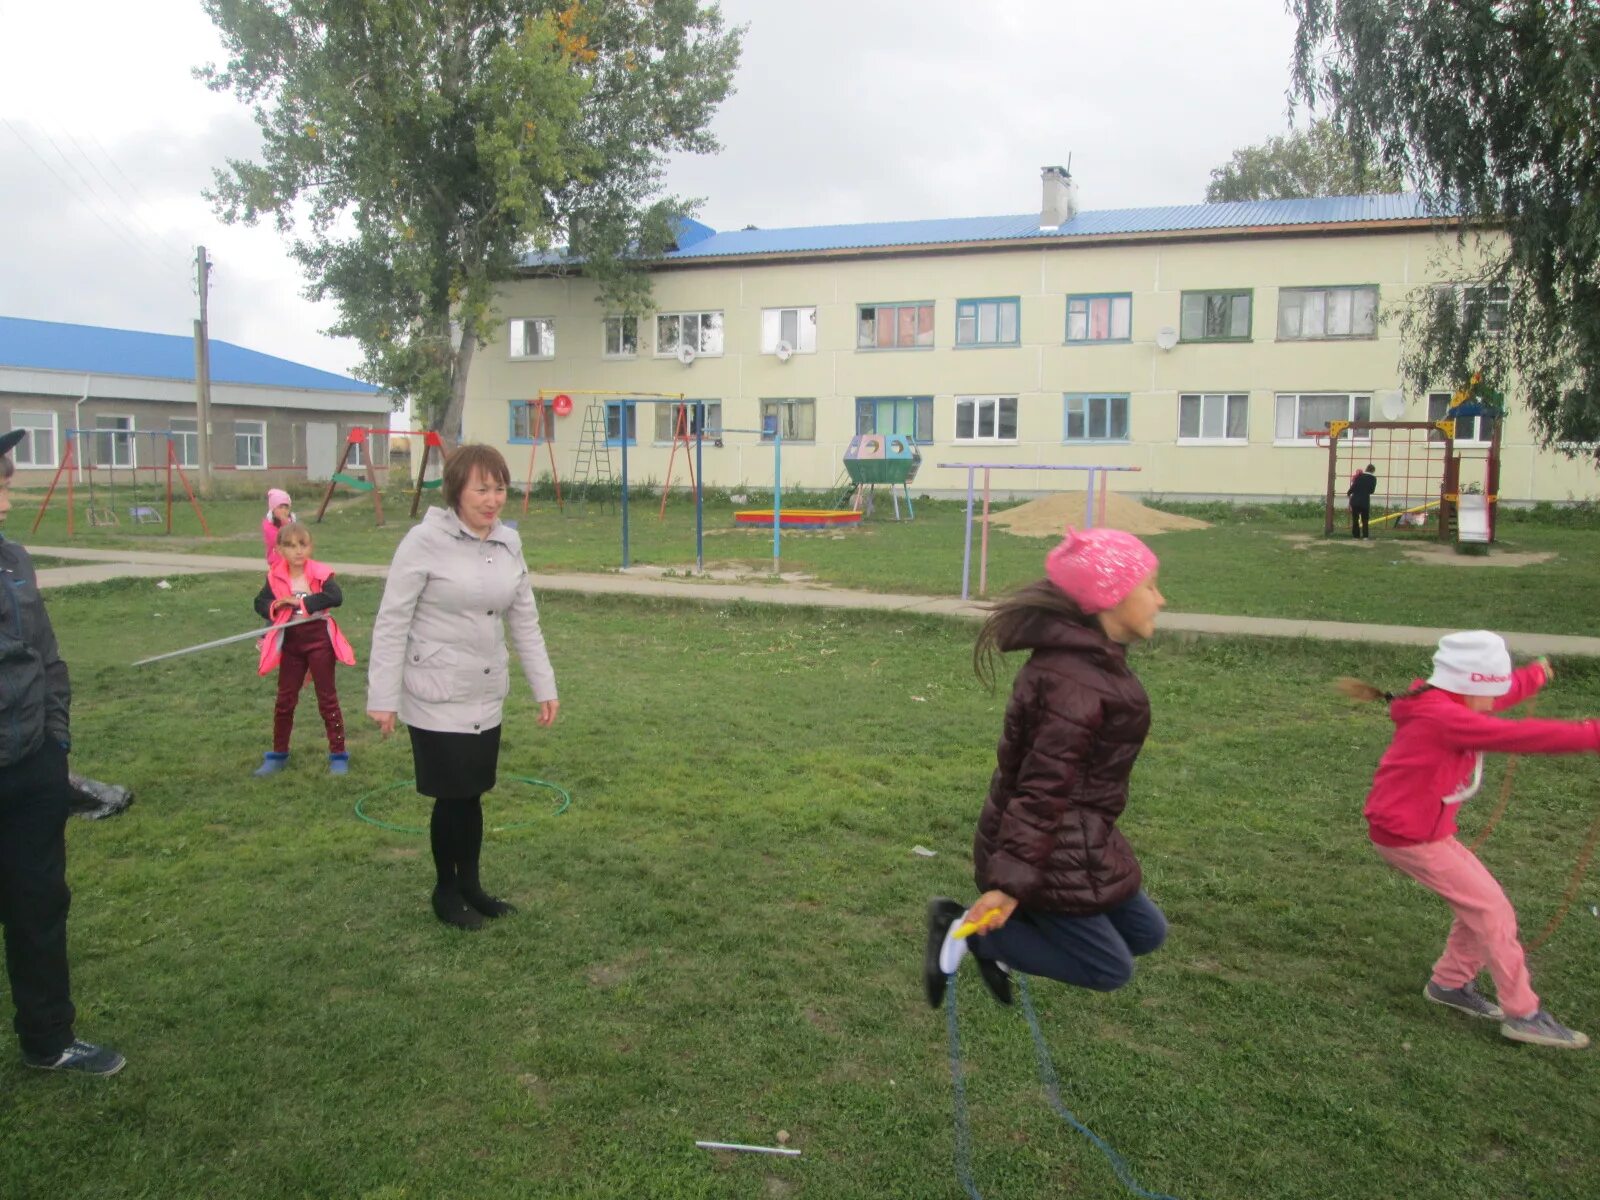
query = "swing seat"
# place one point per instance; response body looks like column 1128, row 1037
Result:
column 432, row 483
column 360, row 485
column 101, row 516
column 143, row 514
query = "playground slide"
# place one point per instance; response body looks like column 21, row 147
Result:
column 1472, row 519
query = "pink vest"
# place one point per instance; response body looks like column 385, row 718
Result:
column 272, row 644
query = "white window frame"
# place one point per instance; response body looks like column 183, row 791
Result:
column 1080, row 306
column 113, row 434
column 544, row 340
column 1479, row 421
column 1085, row 403
column 620, row 323
column 710, row 335
column 239, row 431
column 33, row 420
column 663, row 419
column 1322, row 307
column 804, row 321
column 185, row 442
column 1356, row 401
column 1206, row 403
column 995, row 406
column 796, row 411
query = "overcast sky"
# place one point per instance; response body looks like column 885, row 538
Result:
column 845, row 110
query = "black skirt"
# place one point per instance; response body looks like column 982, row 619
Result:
column 454, row 766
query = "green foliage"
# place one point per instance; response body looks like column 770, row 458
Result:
column 425, row 148
column 1316, row 161
column 1489, row 108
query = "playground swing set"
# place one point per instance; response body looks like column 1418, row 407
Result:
column 155, row 509
column 362, row 436
column 1422, row 469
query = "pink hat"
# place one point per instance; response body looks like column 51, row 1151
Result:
column 275, row 497
column 1098, row 567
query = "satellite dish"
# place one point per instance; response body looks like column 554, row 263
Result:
column 686, row 354
column 1166, row 337
column 1392, row 406
column 784, row 351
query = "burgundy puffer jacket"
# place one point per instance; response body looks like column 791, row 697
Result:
column 1076, row 721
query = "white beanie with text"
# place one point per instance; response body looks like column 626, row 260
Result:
column 1475, row 663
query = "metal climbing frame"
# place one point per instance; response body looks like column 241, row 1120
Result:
column 1417, row 472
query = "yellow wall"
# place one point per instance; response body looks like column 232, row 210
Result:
column 1038, row 371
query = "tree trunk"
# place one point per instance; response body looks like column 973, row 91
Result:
column 450, row 421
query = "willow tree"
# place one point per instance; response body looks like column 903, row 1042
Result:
column 416, row 152
column 1315, row 161
column 1492, row 110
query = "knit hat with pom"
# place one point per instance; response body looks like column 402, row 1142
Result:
column 1098, row 567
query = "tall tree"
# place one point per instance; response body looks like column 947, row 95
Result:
column 1493, row 111
column 1316, row 161
column 425, row 146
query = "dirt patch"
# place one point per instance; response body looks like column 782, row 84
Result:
column 727, row 572
column 1435, row 554
column 610, row 975
column 1048, row 516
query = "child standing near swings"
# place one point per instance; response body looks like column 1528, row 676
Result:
column 278, row 515
column 298, row 587
column 1061, row 885
column 1442, row 728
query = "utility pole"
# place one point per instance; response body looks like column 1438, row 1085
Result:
column 202, row 370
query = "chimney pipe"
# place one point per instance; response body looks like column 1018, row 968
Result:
column 1060, row 202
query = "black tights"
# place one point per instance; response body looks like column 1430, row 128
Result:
column 456, row 832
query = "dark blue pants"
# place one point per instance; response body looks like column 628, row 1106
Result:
column 1091, row 952
column 34, row 898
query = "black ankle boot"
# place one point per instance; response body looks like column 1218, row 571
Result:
column 450, row 908
column 489, row 906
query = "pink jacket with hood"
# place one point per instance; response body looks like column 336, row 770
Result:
column 278, row 580
column 1435, row 761
column 269, row 525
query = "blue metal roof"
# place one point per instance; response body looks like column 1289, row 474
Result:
column 1178, row 218
column 92, row 350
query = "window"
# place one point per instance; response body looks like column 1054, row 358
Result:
column 533, row 337
column 796, row 418
column 1475, row 430
column 1096, row 418
column 700, row 331
column 114, row 447
column 1099, row 318
column 1303, row 414
column 1338, row 312
column 794, row 327
column 1215, row 316
column 894, row 327
column 621, row 337
column 250, row 445
column 1486, row 305
column 909, row 415
column 528, row 426
column 1213, row 417
column 667, row 419
column 986, row 418
column 185, row 441
column 357, row 460
column 615, row 420
column 38, row 449
column 987, row 322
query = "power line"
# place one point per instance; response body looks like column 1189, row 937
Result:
column 131, row 205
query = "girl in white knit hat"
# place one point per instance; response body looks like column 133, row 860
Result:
column 1442, row 727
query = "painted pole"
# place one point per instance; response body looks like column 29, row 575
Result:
column 624, row 409
column 966, row 553
column 699, row 488
column 777, row 497
column 983, row 557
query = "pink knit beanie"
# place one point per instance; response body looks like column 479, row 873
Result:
column 1098, row 567
column 275, row 497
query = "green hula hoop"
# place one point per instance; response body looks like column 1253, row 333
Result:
column 566, row 802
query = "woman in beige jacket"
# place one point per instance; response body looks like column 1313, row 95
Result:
column 458, row 582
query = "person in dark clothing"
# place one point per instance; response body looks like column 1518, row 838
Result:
column 35, row 735
column 1362, row 485
column 1061, row 886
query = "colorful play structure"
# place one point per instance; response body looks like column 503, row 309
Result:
column 1094, row 508
column 77, row 467
column 1429, row 484
column 363, row 436
column 874, row 458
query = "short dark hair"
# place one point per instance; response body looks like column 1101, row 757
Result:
column 463, row 462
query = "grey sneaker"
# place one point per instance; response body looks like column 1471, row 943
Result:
column 1466, row 998
column 1542, row 1029
column 83, row 1058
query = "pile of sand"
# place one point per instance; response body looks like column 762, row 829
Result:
column 1049, row 515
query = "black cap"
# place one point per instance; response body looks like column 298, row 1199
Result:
column 8, row 441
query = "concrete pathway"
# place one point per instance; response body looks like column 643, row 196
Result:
column 108, row 564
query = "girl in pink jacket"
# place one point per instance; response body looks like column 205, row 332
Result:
column 1442, row 728
column 278, row 515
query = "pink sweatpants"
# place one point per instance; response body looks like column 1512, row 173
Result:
column 1484, row 932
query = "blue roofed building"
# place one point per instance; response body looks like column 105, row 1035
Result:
column 115, row 399
column 1200, row 347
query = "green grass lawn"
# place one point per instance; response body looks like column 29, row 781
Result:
column 721, row 938
column 1255, row 561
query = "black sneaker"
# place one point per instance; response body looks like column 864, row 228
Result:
column 450, row 908
column 943, row 912
column 83, row 1058
column 489, row 906
column 996, row 977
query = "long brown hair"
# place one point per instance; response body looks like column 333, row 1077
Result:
column 1010, row 614
column 1364, row 692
